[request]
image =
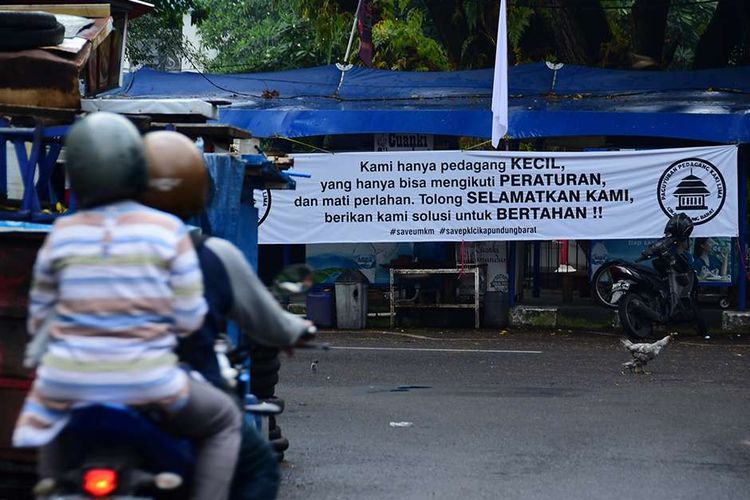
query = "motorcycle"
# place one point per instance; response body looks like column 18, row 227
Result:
column 118, row 452
column 113, row 451
column 664, row 292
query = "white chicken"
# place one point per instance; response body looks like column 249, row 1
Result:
column 643, row 352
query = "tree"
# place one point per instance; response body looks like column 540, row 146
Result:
column 156, row 39
column 649, row 24
column 580, row 30
column 264, row 35
column 610, row 33
column 400, row 41
column 467, row 30
column 726, row 40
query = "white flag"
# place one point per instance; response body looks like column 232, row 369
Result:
column 500, row 82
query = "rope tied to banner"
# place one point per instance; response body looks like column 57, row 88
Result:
column 475, row 146
column 303, row 144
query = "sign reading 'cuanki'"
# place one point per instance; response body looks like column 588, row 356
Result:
column 493, row 196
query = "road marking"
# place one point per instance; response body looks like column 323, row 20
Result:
column 425, row 349
column 410, row 335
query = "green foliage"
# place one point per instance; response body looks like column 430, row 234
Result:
column 619, row 21
column 684, row 27
column 151, row 38
column 330, row 27
column 519, row 19
column 400, row 42
column 265, row 35
column 471, row 13
column 157, row 37
column 686, row 21
column 269, row 35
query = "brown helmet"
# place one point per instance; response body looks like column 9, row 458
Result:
column 178, row 179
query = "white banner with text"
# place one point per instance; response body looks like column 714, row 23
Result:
column 502, row 195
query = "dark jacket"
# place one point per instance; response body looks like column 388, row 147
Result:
column 233, row 291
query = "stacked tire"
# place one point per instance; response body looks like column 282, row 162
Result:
column 264, row 375
column 28, row 30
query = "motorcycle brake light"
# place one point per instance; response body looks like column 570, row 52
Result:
column 100, row 482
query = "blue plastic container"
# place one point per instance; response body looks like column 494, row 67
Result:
column 321, row 307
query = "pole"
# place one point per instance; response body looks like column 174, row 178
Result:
column 351, row 34
column 511, row 273
column 345, row 66
column 743, row 163
column 537, row 270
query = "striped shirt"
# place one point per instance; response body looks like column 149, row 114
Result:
column 119, row 281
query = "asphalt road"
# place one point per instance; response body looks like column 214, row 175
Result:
column 558, row 421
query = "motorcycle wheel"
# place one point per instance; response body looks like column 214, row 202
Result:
column 635, row 326
column 601, row 286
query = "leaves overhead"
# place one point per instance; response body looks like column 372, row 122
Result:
column 263, row 35
column 420, row 35
column 157, row 37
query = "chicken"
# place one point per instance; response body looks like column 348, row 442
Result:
column 644, row 352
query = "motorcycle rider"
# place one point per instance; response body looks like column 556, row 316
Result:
column 680, row 227
column 117, row 282
column 179, row 185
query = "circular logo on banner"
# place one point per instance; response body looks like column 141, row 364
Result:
column 262, row 199
column 694, row 187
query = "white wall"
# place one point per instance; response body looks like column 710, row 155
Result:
column 192, row 40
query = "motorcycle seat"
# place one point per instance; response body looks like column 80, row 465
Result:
column 113, row 426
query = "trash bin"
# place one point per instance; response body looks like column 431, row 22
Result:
column 495, row 309
column 320, row 307
column 351, row 299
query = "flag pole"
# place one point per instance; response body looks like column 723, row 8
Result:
column 345, row 66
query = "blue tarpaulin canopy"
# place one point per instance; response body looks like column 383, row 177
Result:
column 707, row 105
column 710, row 105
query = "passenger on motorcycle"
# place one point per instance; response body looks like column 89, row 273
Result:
column 116, row 283
column 179, row 185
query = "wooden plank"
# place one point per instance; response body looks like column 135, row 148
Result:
column 207, row 130
column 82, row 9
column 282, row 162
column 61, row 114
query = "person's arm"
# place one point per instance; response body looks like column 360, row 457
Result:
column 186, row 281
column 254, row 309
column 43, row 294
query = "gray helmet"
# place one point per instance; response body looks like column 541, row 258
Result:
column 105, row 160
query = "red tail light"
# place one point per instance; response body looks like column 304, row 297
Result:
column 100, row 482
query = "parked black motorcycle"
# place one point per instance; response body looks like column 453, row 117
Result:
column 664, row 293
